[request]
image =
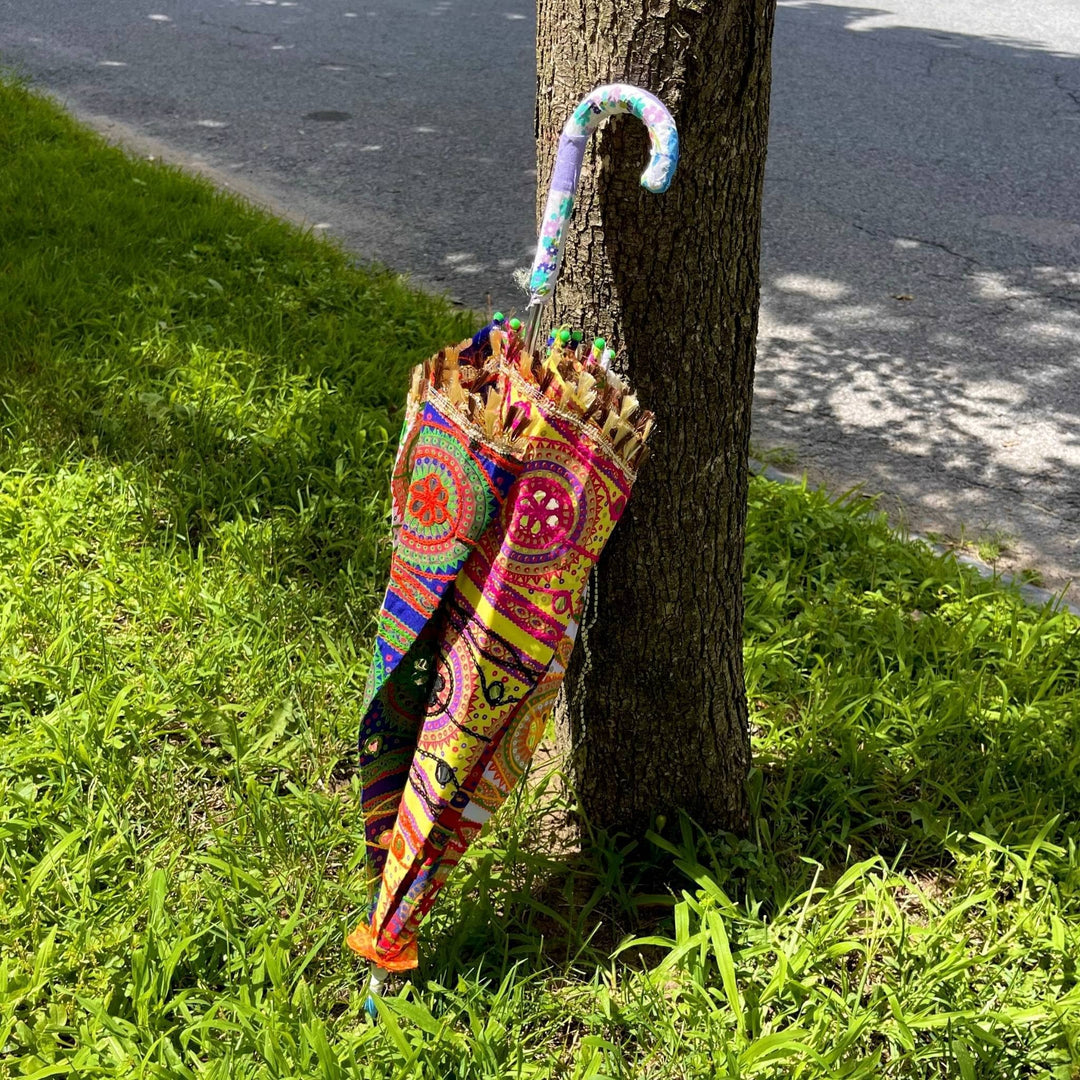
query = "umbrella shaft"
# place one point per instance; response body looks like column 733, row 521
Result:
column 532, row 328
column 377, row 979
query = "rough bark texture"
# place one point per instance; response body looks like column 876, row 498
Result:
column 654, row 710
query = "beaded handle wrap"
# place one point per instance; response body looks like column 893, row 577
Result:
column 603, row 102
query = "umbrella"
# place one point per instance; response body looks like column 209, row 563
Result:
column 512, row 470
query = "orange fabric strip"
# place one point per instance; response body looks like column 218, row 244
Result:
column 360, row 941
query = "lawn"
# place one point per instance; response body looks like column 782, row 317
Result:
column 197, row 415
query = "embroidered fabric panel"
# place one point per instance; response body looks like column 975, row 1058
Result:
column 496, row 668
column 447, row 488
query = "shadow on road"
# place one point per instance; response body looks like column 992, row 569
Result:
column 921, row 294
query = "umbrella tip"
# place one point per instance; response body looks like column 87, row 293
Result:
column 376, row 980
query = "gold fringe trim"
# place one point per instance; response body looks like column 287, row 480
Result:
column 577, row 390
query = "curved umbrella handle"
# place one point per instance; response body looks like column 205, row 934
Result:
column 604, row 101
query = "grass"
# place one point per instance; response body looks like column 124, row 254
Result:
column 780, row 457
column 989, row 545
column 194, row 442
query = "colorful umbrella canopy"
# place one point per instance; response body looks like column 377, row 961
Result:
column 512, row 471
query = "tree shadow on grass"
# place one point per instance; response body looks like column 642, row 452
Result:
column 904, row 711
column 228, row 367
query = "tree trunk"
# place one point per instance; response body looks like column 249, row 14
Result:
column 654, row 710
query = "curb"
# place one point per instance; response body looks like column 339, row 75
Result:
column 1032, row 595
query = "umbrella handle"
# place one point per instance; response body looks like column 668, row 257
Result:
column 603, row 102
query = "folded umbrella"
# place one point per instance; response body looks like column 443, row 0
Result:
column 512, row 471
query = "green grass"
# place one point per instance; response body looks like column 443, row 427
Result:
column 195, row 404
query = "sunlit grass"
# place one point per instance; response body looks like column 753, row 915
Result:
column 196, row 417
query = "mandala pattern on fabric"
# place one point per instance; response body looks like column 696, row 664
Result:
column 546, row 516
column 454, row 687
column 447, row 490
column 449, row 498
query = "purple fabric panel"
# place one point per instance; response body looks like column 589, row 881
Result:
column 564, row 176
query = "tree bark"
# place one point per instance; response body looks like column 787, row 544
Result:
column 654, row 712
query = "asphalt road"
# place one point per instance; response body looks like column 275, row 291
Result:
column 405, row 127
column 921, row 288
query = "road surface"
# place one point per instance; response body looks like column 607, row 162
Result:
column 405, row 127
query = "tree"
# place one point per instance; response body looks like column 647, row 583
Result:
column 654, row 710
